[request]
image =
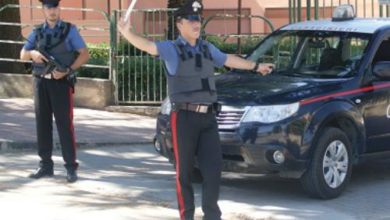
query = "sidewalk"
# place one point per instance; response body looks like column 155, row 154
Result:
column 127, row 181
column 92, row 127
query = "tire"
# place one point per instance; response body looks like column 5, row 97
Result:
column 157, row 146
column 331, row 166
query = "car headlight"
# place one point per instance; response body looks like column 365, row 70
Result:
column 166, row 107
column 270, row 113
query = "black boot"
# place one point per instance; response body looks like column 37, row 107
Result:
column 42, row 172
column 71, row 176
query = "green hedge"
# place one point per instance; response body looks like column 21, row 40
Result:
column 132, row 81
column 99, row 55
column 247, row 44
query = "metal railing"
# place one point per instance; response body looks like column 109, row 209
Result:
column 138, row 77
column 251, row 35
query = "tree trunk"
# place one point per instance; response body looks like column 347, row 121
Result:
column 172, row 30
column 10, row 51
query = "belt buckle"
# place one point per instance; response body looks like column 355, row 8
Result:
column 202, row 108
column 47, row 76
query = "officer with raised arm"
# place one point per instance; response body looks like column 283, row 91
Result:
column 190, row 63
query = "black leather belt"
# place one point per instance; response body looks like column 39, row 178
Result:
column 200, row 108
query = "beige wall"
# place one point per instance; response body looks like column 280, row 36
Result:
column 90, row 93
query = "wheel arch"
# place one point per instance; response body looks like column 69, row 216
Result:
column 342, row 115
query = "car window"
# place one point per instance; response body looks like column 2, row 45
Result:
column 383, row 52
column 277, row 49
column 322, row 54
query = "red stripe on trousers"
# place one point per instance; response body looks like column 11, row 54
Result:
column 71, row 121
column 176, row 151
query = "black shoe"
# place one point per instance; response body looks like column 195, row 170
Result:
column 42, row 172
column 71, row 176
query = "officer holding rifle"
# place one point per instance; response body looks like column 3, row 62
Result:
column 57, row 50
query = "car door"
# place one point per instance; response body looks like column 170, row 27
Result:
column 377, row 106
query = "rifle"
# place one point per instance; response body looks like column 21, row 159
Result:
column 53, row 64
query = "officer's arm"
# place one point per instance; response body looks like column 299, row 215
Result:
column 29, row 53
column 236, row 62
column 138, row 41
column 81, row 59
column 32, row 55
column 25, row 54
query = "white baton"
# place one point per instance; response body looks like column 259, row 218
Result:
column 129, row 10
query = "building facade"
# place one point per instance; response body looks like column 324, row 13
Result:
column 88, row 20
column 155, row 23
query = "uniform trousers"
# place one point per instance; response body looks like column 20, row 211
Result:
column 195, row 136
column 54, row 97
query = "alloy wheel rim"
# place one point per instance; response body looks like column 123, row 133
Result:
column 157, row 145
column 335, row 164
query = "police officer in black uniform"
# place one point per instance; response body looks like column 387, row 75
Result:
column 57, row 50
column 190, row 63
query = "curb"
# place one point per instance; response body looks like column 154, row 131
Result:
column 151, row 111
column 8, row 146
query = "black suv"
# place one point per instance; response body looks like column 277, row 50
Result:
column 325, row 107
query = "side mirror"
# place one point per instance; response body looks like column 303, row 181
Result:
column 382, row 70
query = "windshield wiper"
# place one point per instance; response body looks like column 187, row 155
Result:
column 291, row 72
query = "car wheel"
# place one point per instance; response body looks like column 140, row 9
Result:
column 157, row 145
column 331, row 166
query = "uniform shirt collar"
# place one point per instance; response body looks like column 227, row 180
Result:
column 182, row 40
column 58, row 24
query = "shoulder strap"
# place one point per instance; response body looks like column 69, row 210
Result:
column 180, row 49
column 64, row 33
column 38, row 32
column 206, row 51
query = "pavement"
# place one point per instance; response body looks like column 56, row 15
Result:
column 93, row 128
column 121, row 177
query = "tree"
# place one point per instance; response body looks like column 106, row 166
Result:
column 172, row 30
column 10, row 51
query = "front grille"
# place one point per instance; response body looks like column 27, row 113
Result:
column 229, row 118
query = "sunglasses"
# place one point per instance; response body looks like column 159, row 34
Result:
column 193, row 17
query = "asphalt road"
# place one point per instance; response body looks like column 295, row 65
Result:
column 134, row 183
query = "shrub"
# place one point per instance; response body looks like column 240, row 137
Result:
column 99, row 55
column 141, row 78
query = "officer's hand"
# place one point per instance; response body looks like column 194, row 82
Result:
column 265, row 68
column 123, row 26
column 37, row 57
column 58, row 74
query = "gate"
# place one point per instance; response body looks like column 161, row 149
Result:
column 138, row 77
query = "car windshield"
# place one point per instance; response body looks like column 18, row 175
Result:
column 319, row 54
